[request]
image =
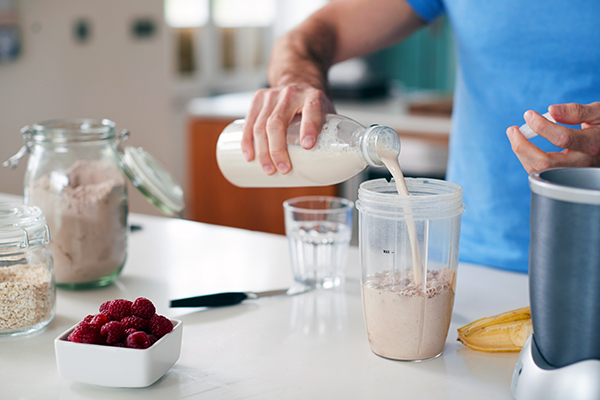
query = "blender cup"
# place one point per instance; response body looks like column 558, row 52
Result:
column 564, row 264
column 407, row 299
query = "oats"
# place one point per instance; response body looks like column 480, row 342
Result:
column 26, row 296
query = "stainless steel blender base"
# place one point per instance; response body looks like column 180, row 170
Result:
column 534, row 379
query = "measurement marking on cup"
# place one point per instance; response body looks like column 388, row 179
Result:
column 388, row 252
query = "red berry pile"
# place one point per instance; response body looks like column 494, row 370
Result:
column 123, row 323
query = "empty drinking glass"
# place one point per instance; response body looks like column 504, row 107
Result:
column 319, row 229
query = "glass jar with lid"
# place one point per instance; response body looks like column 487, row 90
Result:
column 77, row 175
column 27, row 292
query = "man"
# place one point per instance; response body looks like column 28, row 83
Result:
column 513, row 56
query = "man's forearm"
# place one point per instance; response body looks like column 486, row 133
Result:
column 303, row 55
column 338, row 31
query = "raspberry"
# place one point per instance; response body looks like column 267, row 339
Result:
column 108, row 316
column 99, row 320
column 137, row 323
column 101, row 339
column 160, row 325
column 138, row 340
column 85, row 333
column 122, row 323
column 119, row 309
column 83, row 322
column 104, row 306
column 143, row 308
column 113, row 331
column 153, row 339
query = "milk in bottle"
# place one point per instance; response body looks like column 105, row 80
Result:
column 343, row 149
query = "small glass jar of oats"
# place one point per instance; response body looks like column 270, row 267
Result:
column 27, row 292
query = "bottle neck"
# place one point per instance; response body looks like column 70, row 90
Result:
column 379, row 141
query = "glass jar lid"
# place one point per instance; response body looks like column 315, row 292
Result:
column 152, row 179
column 21, row 227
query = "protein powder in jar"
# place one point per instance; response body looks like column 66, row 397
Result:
column 27, row 292
column 77, row 175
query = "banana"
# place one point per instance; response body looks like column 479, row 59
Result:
column 503, row 332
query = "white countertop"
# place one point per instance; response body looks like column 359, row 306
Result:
column 311, row 346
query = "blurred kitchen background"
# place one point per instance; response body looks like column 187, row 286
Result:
column 175, row 72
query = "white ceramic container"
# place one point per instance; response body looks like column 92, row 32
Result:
column 117, row 367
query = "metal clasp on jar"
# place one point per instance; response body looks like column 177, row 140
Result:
column 122, row 136
column 30, row 241
column 12, row 162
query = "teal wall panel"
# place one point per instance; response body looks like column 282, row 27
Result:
column 425, row 60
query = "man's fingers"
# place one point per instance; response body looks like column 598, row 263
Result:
column 277, row 138
column 575, row 114
column 247, row 142
column 288, row 105
column 315, row 104
column 532, row 158
column 264, row 136
column 261, row 141
column 583, row 140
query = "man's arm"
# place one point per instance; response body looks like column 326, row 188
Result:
column 298, row 71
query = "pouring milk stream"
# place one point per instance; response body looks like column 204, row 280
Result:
column 390, row 159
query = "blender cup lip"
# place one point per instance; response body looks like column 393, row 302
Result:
column 435, row 199
column 573, row 185
column 344, row 204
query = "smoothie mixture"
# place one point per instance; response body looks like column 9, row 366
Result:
column 406, row 321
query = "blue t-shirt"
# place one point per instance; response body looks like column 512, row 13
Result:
column 513, row 56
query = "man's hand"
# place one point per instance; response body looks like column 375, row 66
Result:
column 581, row 146
column 271, row 111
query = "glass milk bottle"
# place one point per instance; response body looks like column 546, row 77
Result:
column 343, row 149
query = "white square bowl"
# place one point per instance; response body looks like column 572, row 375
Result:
column 118, row 367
